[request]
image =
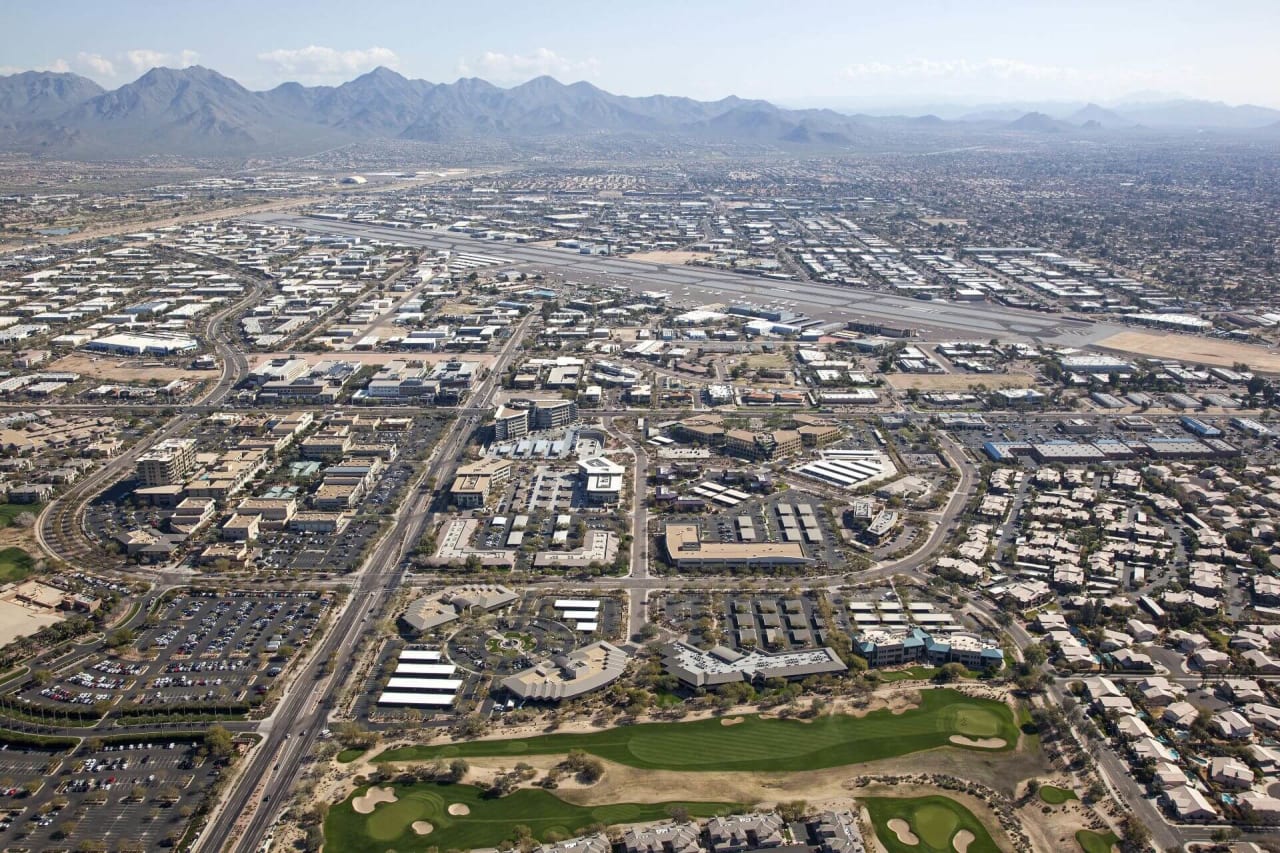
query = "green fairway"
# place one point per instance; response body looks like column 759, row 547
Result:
column 1096, row 842
column 349, row 755
column 488, row 823
column 761, row 744
column 934, row 821
column 15, row 564
column 1055, row 796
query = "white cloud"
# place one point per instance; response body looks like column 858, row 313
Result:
column 316, row 61
column 60, row 66
column 94, row 63
column 992, row 69
column 143, row 59
column 1005, row 76
column 935, row 69
column 514, row 67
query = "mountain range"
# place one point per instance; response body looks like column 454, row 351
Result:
column 196, row 111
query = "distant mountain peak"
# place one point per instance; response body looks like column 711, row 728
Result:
column 36, row 95
column 198, row 111
column 1094, row 116
column 382, row 74
column 1037, row 122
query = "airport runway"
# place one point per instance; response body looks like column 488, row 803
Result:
column 698, row 286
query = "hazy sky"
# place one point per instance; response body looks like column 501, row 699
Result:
column 787, row 51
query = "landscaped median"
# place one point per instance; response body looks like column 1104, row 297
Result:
column 460, row 817
column 943, row 717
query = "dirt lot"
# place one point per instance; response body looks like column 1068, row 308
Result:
column 18, row 620
column 15, row 536
column 112, row 369
column 1193, row 349
column 767, row 361
column 669, row 257
column 958, row 381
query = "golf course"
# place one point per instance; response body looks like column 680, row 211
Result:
column 1096, row 842
column 15, row 565
column 943, row 718
column 1055, row 796
column 461, row 817
column 927, row 825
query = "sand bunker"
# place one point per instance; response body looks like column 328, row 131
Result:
column 365, row 803
column 896, row 703
column 902, row 829
column 459, row 809
column 962, row 841
column 423, row 827
column 730, row 721
column 979, row 742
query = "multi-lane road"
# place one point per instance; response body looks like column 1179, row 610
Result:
column 698, row 285
column 273, row 766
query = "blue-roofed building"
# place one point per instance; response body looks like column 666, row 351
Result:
column 996, row 452
column 893, row 647
column 1199, row 428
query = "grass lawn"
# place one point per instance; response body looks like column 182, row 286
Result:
column 15, row 564
column 349, row 755
column 1055, row 796
column 489, row 823
column 918, row 673
column 934, row 820
column 766, row 360
column 8, row 512
column 1029, row 729
column 761, row 744
column 663, row 699
column 1096, row 842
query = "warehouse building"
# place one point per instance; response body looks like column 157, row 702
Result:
column 143, row 344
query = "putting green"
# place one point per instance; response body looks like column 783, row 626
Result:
column 935, row 821
column 488, row 822
column 935, row 824
column 763, row 744
column 1096, row 842
column 972, row 721
column 1055, row 796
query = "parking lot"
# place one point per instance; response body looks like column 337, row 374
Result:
column 765, row 524
column 772, row 621
column 131, row 795
column 323, row 553
column 197, row 649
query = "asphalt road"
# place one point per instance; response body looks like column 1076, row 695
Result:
column 637, row 597
column 273, row 766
